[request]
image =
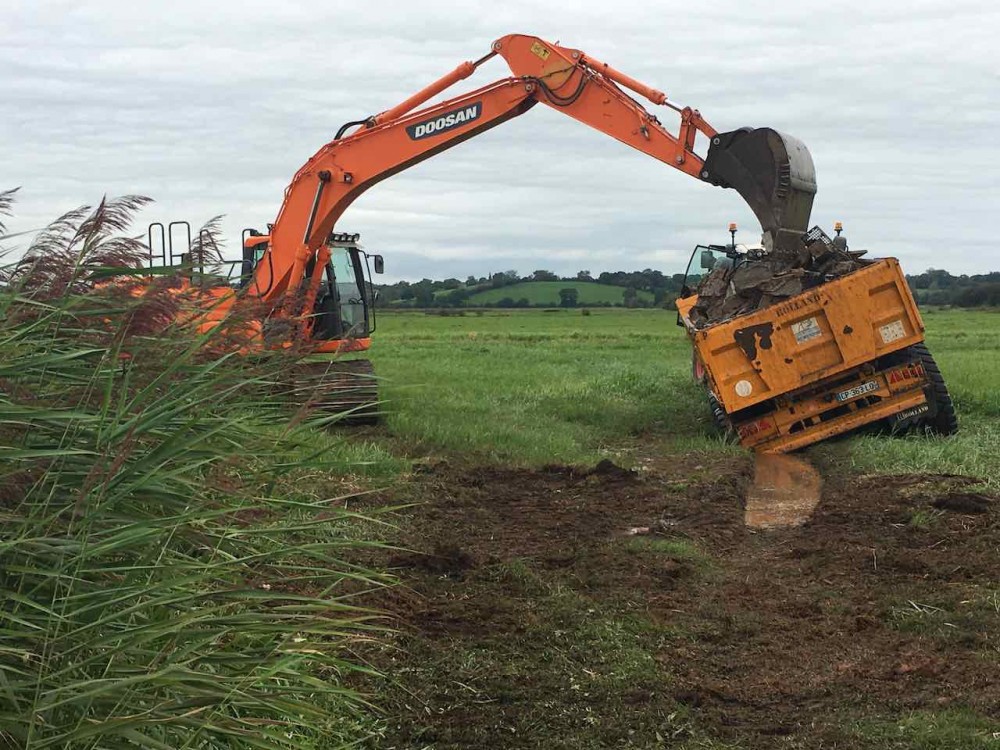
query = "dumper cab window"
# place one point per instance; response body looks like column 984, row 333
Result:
column 704, row 259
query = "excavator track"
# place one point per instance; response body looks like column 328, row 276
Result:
column 347, row 387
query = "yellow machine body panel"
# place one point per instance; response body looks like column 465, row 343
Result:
column 813, row 359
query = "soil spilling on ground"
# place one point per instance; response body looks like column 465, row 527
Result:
column 785, row 491
column 566, row 607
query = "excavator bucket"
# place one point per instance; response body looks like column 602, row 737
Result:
column 775, row 175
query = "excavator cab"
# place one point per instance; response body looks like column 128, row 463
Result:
column 345, row 301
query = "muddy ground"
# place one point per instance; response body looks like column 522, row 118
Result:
column 531, row 615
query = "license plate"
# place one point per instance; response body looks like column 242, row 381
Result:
column 871, row 385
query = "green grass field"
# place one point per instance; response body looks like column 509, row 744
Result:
column 534, row 387
column 547, row 293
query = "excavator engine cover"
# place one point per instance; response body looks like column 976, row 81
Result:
column 775, row 175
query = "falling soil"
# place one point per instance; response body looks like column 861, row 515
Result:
column 876, row 606
column 785, row 491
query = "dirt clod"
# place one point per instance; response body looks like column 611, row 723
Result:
column 609, row 469
column 964, row 502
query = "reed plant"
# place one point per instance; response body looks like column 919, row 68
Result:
column 164, row 581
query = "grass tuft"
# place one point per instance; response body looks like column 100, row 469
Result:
column 924, row 730
column 681, row 550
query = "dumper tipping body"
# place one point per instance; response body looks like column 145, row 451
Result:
column 831, row 359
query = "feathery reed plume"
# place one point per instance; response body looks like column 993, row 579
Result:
column 6, row 206
column 206, row 248
column 64, row 258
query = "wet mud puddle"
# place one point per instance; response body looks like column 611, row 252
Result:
column 785, row 491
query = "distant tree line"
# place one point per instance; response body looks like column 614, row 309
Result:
column 456, row 293
column 933, row 287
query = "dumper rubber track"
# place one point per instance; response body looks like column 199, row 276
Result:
column 347, row 387
column 943, row 420
column 721, row 419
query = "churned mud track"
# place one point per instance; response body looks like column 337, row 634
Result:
column 886, row 601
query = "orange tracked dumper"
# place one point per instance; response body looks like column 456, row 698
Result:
column 842, row 355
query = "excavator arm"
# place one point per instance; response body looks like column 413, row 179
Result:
column 565, row 79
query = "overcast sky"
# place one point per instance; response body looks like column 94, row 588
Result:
column 210, row 107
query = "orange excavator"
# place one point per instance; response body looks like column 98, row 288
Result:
column 313, row 277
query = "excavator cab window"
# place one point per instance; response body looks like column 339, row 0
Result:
column 253, row 251
column 352, row 304
column 342, row 308
column 329, row 323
